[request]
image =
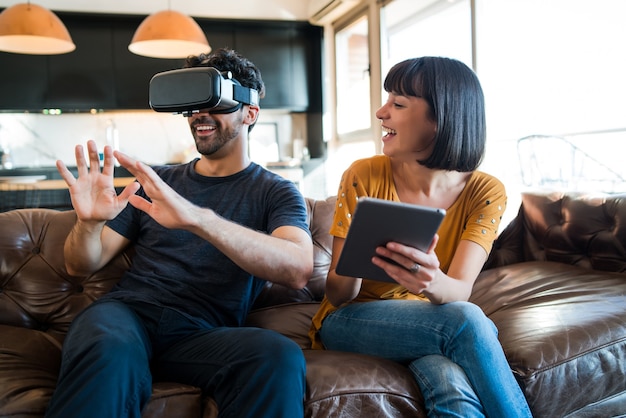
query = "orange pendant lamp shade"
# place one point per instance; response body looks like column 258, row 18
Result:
column 31, row 29
column 169, row 34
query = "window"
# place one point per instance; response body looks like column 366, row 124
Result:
column 420, row 28
column 355, row 135
column 554, row 69
column 353, row 78
column 548, row 68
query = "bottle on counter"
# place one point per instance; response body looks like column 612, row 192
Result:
column 112, row 136
column 6, row 159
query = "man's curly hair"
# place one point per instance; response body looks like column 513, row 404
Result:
column 225, row 59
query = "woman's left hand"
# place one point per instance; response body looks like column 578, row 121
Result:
column 414, row 269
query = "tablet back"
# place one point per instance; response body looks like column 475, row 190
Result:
column 375, row 222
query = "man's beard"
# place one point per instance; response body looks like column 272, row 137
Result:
column 221, row 136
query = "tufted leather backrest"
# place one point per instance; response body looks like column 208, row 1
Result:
column 573, row 228
column 36, row 291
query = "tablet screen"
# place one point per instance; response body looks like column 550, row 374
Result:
column 375, row 223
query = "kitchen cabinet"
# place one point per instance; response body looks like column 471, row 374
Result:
column 131, row 72
column 282, row 61
column 102, row 74
column 23, row 81
column 83, row 78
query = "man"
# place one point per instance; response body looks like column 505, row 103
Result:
column 207, row 235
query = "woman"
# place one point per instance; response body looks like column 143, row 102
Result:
column 434, row 125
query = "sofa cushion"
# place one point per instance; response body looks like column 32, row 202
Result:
column 341, row 384
column 355, row 384
column 174, row 400
column 292, row 320
column 563, row 329
column 29, row 367
column 571, row 228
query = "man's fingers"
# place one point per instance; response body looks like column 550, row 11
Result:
column 129, row 190
column 81, row 164
column 65, row 173
column 140, row 203
column 94, row 158
column 142, row 172
column 109, row 161
column 126, row 162
column 148, row 173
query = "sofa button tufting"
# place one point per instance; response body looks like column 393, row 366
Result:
column 36, row 250
column 80, row 289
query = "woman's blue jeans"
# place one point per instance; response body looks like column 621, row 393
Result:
column 113, row 349
column 451, row 349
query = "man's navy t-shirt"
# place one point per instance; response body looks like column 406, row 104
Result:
column 179, row 270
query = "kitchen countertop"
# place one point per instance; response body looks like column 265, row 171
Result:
column 51, row 172
column 15, row 185
column 48, row 178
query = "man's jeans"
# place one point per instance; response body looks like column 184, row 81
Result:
column 112, row 346
column 451, row 349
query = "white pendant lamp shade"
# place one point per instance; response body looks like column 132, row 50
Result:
column 169, row 34
column 31, row 29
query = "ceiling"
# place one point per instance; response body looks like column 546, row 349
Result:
column 219, row 9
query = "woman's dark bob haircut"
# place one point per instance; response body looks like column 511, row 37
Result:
column 457, row 105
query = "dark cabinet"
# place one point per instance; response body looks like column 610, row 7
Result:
column 23, row 81
column 83, row 78
column 282, row 51
column 284, row 86
column 220, row 34
column 99, row 74
column 102, row 74
column 131, row 72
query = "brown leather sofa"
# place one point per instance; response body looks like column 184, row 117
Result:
column 554, row 285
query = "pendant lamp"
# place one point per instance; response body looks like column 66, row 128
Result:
column 169, row 34
column 27, row 28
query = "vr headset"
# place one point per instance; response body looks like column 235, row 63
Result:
column 190, row 90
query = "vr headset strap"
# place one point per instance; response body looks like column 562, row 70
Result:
column 245, row 95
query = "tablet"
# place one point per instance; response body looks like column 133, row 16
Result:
column 376, row 222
